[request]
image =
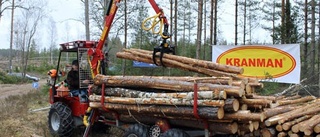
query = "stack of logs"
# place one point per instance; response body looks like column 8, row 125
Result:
column 222, row 101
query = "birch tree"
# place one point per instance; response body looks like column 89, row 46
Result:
column 29, row 22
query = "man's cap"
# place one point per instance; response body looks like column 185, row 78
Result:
column 75, row 62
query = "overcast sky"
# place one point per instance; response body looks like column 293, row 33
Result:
column 63, row 11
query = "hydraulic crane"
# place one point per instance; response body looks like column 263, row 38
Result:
column 112, row 7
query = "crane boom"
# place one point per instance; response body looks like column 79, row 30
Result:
column 97, row 54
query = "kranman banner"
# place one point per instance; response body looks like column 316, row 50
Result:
column 275, row 63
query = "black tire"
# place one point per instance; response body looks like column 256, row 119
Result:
column 136, row 130
column 60, row 120
column 175, row 133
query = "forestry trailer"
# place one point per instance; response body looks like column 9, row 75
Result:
column 67, row 112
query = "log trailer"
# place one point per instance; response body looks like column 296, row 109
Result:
column 67, row 112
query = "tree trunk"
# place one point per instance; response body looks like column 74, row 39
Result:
column 165, row 84
column 296, row 101
column 157, row 101
column 86, row 15
column 268, row 132
column 313, row 41
column 243, row 115
column 131, row 93
column 244, row 22
column 231, row 105
column 236, row 23
column 267, row 113
column 305, row 110
column 305, row 46
column 286, row 126
column 190, row 61
column 199, row 28
column 253, row 102
column 176, row 64
column 165, row 111
column 308, row 126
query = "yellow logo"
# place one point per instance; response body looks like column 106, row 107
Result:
column 259, row 61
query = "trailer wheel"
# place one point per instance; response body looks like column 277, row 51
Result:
column 175, row 133
column 60, row 120
column 136, row 130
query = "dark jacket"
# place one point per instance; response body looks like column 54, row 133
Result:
column 73, row 80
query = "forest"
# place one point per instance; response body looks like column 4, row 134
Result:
column 195, row 27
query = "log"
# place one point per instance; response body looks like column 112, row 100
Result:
column 316, row 128
column 239, row 83
column 212, row 80
column 308, row 126
column 181, row 111
column 268, row 132
column 255, row 96
column 279, row 128
column 174, row 64
column 304, row 110
column 257, row 85
column 296, row 128
column 269, row 112
column 172, row 85
column 282, row 134
column 291, row 97
column 296, row 101
column 243, row 115
column 231, row 105
column 223, row 128
column 244, row 107
column 156, row 101
column 287, row 125
column 194, row 62
column 131, row 93
column 256, row 125
column 245, row 128
column 253, row 102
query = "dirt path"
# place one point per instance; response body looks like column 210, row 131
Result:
column 15, row 89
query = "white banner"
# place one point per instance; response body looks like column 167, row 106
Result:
column 275, row 63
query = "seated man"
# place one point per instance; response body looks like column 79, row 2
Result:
column 73, row 82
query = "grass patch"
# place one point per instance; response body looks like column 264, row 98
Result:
column 17, row 120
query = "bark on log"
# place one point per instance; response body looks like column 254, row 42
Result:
column 296, row 101
column 231, row 105
column 131, row 93
column 165, row 111
column 212, row 80
column 286, row 126
column 195, row 62
column 156, row 101
column 243, row 115
column 164, row 84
